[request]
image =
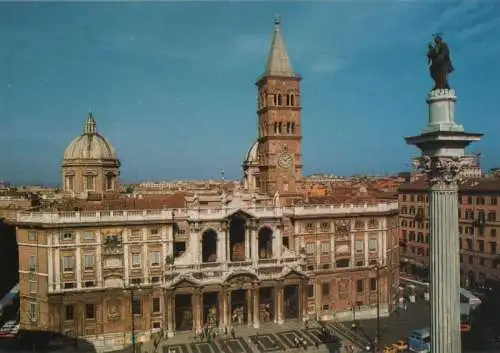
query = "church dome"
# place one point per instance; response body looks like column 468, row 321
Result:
column 90, row 145
column 252, row 155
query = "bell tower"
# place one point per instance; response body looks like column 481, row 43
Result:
column 279, row 141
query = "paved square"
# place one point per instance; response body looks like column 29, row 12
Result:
column 266, row 343
column 237, row 345
column 316, row 334
column 288, row 338
column 175, row 348
column 204, row 347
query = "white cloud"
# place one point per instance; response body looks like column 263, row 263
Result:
column 252, row 44
column 483, row 28
column 458, row 10
column 327, row 65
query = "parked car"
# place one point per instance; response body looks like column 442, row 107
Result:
column 390, row 349
column 401, row 345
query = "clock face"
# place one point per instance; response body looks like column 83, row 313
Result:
column 285, row 160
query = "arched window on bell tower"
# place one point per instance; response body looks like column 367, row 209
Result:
column 288, row 127
column 292, row 128
column 277, row 99
column 276, row 128
column 279, row 128
column 290, row 99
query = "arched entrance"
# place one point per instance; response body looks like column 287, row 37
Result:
column 291, row 305
column 471, row 279
column 210, row 309
column 183, row 312
column 265, row 243
column 237, row 239
column 266, row 304
column 209, row 246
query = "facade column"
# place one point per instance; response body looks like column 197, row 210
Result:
column 255, row 244
column 78, row 265
column 277, row 242
column 301, row 300
column 278, row 303
column 170, row 310
column 195, row 306
column 247, row 244
column 249, row 306
column 228, row 244
column 222, row 309
column 443, row 160
column 256, row 306
column 229, row 311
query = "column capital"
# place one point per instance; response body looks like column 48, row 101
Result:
column 443, row 171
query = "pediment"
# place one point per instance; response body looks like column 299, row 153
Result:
column 241, row 213
column 185, row 283
column 294, row 274
column 241, row 278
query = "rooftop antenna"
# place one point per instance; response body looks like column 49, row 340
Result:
column 222, row 174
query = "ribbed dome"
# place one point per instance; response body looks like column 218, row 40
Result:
column 90, row 145
column 252, row 156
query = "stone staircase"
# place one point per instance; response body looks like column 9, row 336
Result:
column 342, row 331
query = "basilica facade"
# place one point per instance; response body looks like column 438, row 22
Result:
column 259, row 254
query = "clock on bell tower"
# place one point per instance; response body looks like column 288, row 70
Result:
column 279, row 142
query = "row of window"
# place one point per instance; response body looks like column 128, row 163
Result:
column 481, row 215
column 326, row 226
column 284, row 128
column 89, row 236
column 90, row 309
column 480, row 200
column 89, row 182
column 278, row 99
column 360, row 287
column 467, row 200
column 325, row 247
column 89, row 261
column 469, row 245
column 413, row 198
column 481, row 261
column 491, row 216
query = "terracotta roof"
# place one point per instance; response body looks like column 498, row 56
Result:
column 170, row 201
column 370, row 198
column 488, row 184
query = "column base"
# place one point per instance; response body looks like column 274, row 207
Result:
column 256, row 325
column 280, row 322
column 170, row 334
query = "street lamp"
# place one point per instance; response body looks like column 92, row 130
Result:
column 378, row 267
column 132, row 290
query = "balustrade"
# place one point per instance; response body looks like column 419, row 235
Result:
column 195, row 214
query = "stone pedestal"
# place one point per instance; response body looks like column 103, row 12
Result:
column 443, row 145
column 442, row 111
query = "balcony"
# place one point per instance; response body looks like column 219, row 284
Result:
column 120, row 216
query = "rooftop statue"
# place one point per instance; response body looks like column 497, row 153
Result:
column 439, row 62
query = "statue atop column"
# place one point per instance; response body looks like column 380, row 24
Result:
column 439, row 61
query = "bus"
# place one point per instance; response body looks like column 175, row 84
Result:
column 420, row 341
column 9, row 313
column 467, row 297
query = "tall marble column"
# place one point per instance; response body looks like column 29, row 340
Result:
column 278, row 303
column 169, row 305
column 247, row 244
column 256, row 306
column 249, row 306
column 443, row 144
column 229, row 308
column 223, row 309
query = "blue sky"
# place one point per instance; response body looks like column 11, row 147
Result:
column 172, row 84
